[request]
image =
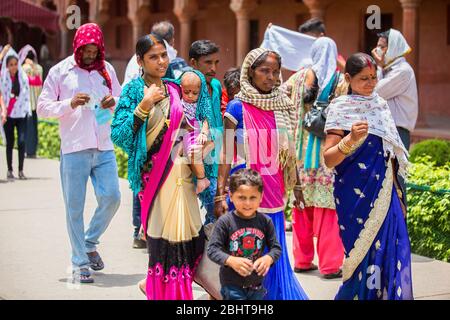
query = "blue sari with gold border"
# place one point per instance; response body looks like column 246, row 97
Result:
column 372, row 227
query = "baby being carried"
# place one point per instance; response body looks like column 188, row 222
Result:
column 198, row 132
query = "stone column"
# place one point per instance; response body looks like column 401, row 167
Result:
column 242, row 10
column 64, row 32
column 93, row 10
column 101, row 13
column 138, row 13
column 185, row 10
column 410, row 30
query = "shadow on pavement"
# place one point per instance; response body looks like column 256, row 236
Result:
column 104, row 280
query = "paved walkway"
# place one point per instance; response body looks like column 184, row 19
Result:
column 35, row 254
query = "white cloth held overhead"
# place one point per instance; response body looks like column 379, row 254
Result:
column 293, row 47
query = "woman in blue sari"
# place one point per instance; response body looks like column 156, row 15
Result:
column 365, row 149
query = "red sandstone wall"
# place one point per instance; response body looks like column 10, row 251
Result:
column 434, row 58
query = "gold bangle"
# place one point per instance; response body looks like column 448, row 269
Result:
column 138, row 114
column 344, row 147
column 142, row 110
column 298, row 187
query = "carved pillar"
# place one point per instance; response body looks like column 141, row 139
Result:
column 242, row 10
column 317, row 8
column 185, row 10
column 410, row 30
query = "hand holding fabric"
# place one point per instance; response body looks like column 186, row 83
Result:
column 108, row 102
column 79, row 100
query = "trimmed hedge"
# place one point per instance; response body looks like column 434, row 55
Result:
column 429, row 211
column 438, row 150
column 49, row 142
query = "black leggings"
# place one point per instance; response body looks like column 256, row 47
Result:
column 20, row 124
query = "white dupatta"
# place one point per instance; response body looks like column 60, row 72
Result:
column 22, row 107
column 346, row 110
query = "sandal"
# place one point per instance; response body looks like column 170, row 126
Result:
column 335, row 275
column 311, row 268
column 82, row 276
column 96, row 261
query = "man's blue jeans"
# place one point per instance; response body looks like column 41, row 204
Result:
column 75, row 170
column 237, row 293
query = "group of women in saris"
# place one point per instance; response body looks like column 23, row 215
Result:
column 261, row 130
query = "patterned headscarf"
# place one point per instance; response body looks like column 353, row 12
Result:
column 24, row 52
column 346, row 110
column 275, row 100
column 90, row 33
column 285, row 115
column 22, row 105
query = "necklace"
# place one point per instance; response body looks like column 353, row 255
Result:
column 148, row 85
column 166, row 94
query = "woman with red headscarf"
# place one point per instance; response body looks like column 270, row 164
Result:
column 81, row 92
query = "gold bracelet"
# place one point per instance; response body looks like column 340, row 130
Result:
column 298, row 187
column 138, row 114
column 344, row 147
column 142, row 110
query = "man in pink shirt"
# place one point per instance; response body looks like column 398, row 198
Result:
column 81, row 92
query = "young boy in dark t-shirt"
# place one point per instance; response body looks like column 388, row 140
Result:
column 240, row 238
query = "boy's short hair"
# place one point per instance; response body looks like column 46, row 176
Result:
column 247, row 177
column 202, row 48
column 312, row 25
column 232, row 77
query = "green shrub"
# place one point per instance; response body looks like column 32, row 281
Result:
column 122, row 162
column 429, row 211
column 438, row 150
column 50, row 144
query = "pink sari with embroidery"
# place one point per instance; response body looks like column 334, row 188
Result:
column 171, row 217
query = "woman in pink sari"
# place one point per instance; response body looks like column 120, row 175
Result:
column 261, row 119
column 147, row 126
